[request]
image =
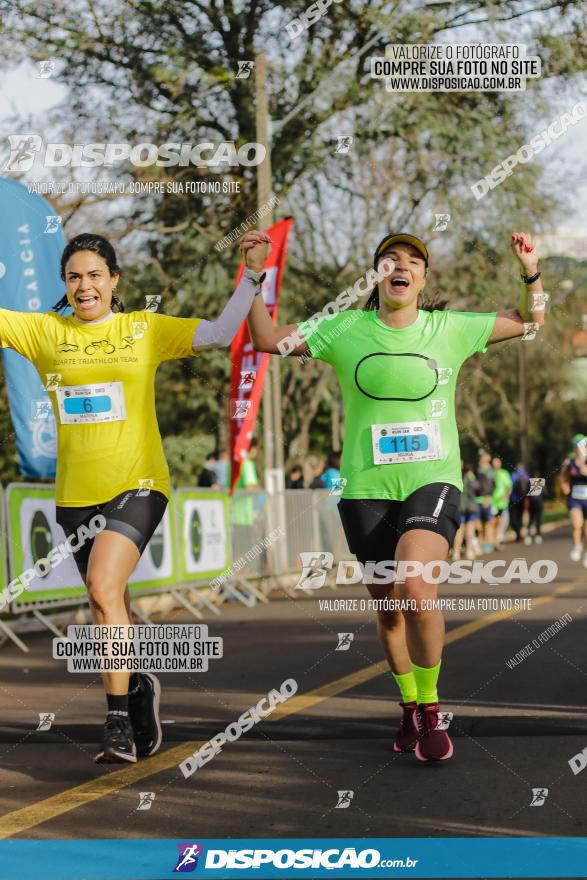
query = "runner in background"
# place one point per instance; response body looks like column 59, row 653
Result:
column 535, row 511
column 469, row 514
column 397, row 365
column 486, row 481
column 574, row 486
column 520, row 486
column 500, row 500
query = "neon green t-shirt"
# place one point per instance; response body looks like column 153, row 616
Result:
column 398, row 388
column 503, row 483
column 243, row 505
column 248, row 478
column 101, row 382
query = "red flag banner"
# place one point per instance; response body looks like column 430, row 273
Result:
column 248, row 366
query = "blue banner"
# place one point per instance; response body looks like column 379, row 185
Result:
column 273, row 858
column 31, row 242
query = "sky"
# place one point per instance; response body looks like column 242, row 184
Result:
column 23, row 93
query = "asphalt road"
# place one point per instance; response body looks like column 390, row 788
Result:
column 514, row 729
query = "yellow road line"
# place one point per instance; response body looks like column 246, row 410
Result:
column 312, row 698
column 93, row 790
column 474, row 625
column 44, row 810
column 306, row 701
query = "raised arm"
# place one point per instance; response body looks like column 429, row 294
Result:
column 22, row 332
column 265, row 335
column 531, row 310
column 221, row 332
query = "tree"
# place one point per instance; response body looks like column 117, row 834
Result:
column 161, row 72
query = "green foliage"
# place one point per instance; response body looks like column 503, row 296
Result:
column 185, row 456
column 158, row 72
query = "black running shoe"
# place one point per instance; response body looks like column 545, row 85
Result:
column 143, row 710
column 119, row 745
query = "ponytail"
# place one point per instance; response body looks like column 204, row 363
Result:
column 117, row 303
column 373, row 301
column 434, row 303
column 62, row 304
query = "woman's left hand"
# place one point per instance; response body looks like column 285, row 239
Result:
column 524, row 247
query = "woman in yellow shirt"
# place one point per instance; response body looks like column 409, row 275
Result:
column 98, row 365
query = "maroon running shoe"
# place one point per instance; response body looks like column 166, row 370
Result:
column 434, row 743
column 407, row 735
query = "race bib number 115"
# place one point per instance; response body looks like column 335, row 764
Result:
column 406, row 441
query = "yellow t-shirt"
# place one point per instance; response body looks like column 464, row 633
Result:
column 101, row 381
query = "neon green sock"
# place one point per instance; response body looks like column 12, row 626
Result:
column 426, row 682
column 407, row 686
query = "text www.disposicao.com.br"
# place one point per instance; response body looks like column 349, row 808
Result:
column 130, row 664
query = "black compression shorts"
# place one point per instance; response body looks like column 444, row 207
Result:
column 373, row 527
column 135, row 513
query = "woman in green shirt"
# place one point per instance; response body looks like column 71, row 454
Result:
column 397, row 366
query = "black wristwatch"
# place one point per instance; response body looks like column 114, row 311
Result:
column 530, row 279
column 256, row 277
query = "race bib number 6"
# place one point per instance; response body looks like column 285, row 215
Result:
column 90, row 404
column 406, row 441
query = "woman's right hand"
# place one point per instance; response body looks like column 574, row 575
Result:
column 255, row 247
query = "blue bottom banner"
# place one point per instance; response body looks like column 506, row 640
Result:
column 143, row 859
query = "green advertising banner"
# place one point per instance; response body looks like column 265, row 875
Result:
column 33, row 533
column 204, row 534
column 157, row 567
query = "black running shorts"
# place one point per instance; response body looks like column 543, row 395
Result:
column 373, row 527
column 135, row 513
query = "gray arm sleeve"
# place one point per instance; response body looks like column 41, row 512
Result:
column 221, row 332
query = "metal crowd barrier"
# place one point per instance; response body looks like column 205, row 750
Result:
column 243, row 554
column 269, row 532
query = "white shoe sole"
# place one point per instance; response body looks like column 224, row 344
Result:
column 116, row 758
column 421, row 757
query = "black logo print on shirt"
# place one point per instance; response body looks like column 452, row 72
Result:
column 371, row 377
column 102, row 346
